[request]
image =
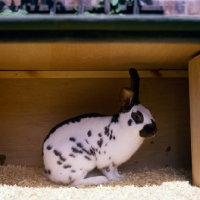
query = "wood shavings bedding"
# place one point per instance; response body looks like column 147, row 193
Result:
column 20, row 182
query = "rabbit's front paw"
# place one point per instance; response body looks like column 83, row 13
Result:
column 112, row 174
column 119, row 176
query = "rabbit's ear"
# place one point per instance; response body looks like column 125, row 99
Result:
column 126, row 96
column 135, row 84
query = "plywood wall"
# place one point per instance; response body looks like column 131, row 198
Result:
column 29, row 108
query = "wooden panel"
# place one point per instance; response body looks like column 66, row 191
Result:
column 93, row 74
column 194, row 75
column 30, row 108
column 88, row 56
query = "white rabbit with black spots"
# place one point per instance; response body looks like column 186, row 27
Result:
column 76, row 146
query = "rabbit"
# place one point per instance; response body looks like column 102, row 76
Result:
column 78, row 145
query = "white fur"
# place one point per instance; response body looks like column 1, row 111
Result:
column 112, row 152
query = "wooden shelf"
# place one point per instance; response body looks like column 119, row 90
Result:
column 98, row 43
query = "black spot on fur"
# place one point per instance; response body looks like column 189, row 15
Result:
column 92, row 151
column 49, row 147
column 115, row 118
column 87, row 142
column 129, row 122
column 83, row 149
column 57, row 153
column 99, row 135
column 67, row 166
column 72, row 139
column 106, row 131
column 47, row 172
column 75, row 150
column 106, row 144
column 72, row 120
column 88, row 158
column 100, row 142
column 100, row 152
column 113, row 164
column 109, row 158
column 110, row 136
column 73, row 171
column 59, row 163
column 72, row 155
column 89, row 133
column 104, row 152
column 113, row 137
column 79, row 145
column 62, row 159
column 86, row 151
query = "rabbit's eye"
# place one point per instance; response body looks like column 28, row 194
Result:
column 137, row 117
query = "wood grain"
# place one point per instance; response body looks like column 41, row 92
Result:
column 95, row 56
column 194, row 83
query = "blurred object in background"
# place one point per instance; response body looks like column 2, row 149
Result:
column 180, row 7
column 90, row 7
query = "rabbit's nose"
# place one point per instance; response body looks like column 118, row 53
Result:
column 149, row 130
